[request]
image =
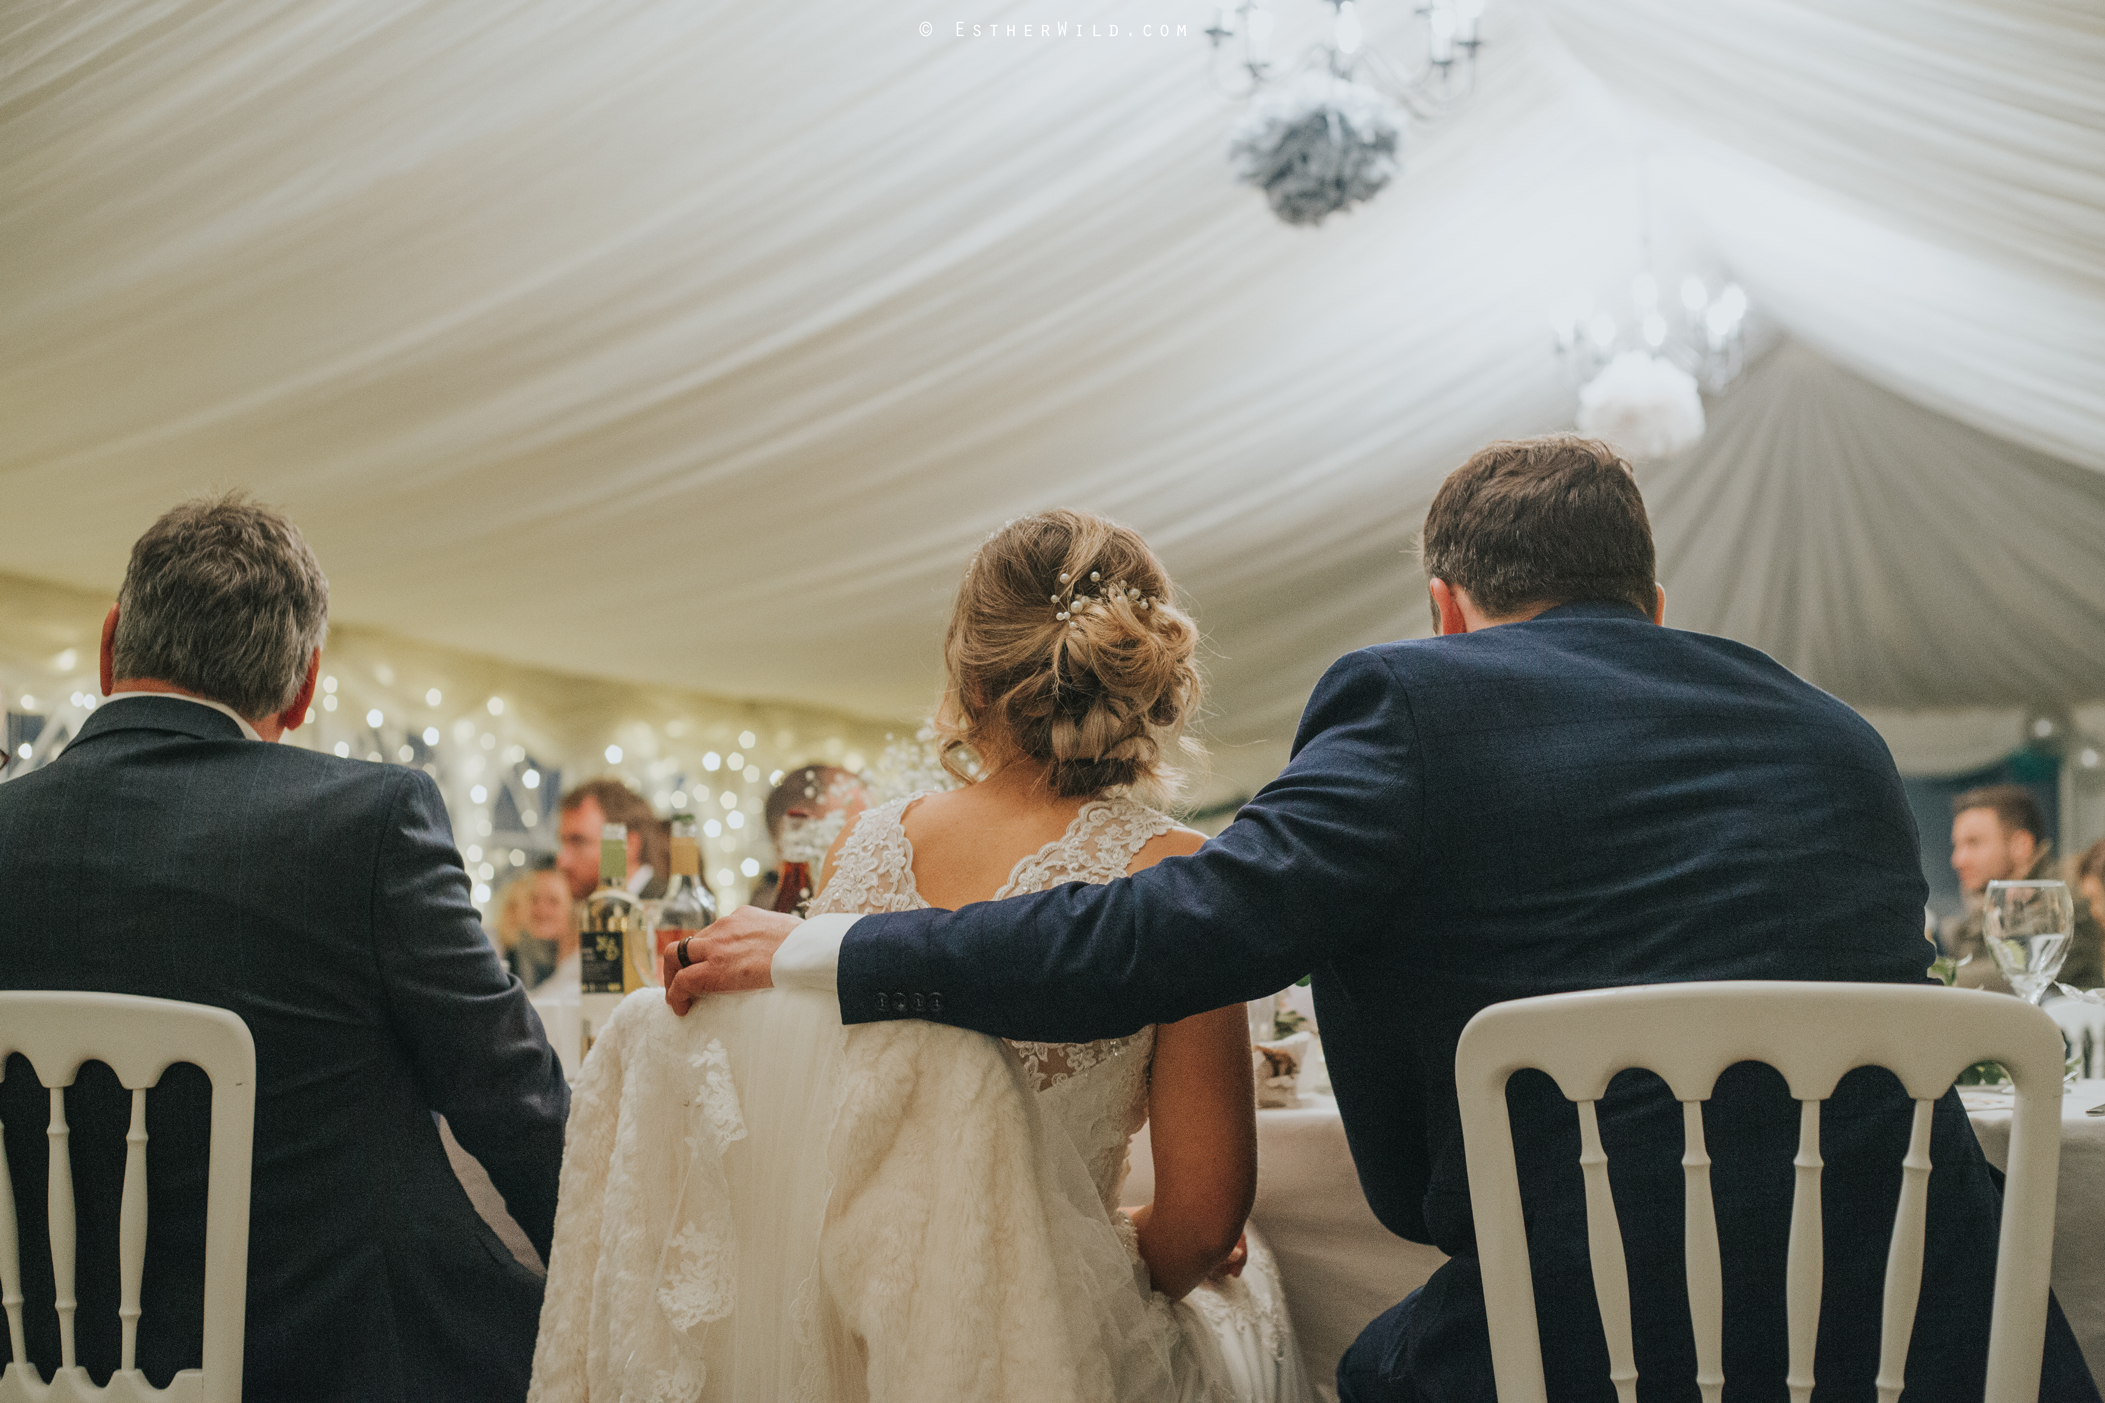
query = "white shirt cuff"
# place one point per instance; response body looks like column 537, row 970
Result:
column 811, row 956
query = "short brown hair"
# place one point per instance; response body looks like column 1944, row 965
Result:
column 1538, row 522
column 624, row 805
column 222, row 598
column 1067, row 645
column 2092, row 863
column 2013, row 805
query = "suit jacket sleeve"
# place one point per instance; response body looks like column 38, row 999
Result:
column 1313, row 865
column 477, row 1047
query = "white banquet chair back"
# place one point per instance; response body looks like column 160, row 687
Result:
column 138, row 1039
column 1812, row 1033
column 2082, row 1025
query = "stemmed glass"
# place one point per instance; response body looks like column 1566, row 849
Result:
column 2027, row 929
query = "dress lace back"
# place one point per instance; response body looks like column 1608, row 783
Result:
column 1096, row 1091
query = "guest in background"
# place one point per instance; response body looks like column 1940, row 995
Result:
column 831, row 794
column 591, row 806
column 174, row 852
column 1998, row 835
column 2090, row 880
column 544, row 942
column 507, row 922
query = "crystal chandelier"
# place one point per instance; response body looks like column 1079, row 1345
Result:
column 1701, row 333
column 1640, row 376
column 1429, row 77
column 1323, row 130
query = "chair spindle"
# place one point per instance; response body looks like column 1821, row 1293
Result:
column 1706, row 1276
column 10, row 1259
column 59, row 1208
column 1805, row 1263
column 1904, row 1259
column 1611, row 1275
column 131, row 1230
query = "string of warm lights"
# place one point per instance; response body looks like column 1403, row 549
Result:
column 501, row 741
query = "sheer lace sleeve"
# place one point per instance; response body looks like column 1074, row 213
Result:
column 875, row 869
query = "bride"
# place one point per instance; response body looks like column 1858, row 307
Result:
column 758, row 1202
column 1070, row 676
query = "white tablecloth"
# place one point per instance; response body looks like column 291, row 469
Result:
column 2079, row 1204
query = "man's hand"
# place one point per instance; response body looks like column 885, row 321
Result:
column 733, row 954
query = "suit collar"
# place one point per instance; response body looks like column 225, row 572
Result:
column 159, row 713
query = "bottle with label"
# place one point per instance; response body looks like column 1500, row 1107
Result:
column 687, row 905
column 612, row 920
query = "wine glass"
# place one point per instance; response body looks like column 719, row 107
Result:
column 2027, row 929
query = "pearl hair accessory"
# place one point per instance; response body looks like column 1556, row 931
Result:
column 1078, row 602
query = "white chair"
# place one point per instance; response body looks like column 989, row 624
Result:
column 2082, row 1025
column 138, row 1039
column 1812, row 1033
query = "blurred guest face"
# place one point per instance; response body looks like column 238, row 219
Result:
column 578, row 832
column 548, row 906
column 2094, row 893
column 1984, row 851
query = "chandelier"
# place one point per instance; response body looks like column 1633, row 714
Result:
column 1641, row 375
column 1429, row 78
column 1323, row 127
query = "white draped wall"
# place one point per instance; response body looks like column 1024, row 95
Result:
column 698, row 344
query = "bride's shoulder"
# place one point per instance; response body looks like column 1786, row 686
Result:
column 1174, row 841
column 1148, row 834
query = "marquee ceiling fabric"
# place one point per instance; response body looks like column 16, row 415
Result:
column 698, row 345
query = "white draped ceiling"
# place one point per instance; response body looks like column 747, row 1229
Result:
column 697, row 344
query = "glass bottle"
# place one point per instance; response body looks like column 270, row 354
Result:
column 793, row 886
column 612, row 920
column 687, row 905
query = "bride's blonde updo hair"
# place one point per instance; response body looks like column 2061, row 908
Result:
column 1066, row 646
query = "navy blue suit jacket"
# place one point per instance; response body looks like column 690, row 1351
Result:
column 1582, row 800
column 321, row 900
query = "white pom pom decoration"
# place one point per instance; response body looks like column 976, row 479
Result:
column 1646, row 407
column 1317, row 145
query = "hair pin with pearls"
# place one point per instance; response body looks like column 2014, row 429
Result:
column 1077, row 602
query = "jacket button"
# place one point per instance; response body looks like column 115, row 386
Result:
column 880, row 1003
column 920, row 1003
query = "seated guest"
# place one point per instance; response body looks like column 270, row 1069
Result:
column 2090, row 880
column 1999, row 835
column 507, row 921
column 1556, row 793
column 173, row 851
column 831, row 796
column 585, row 810
column 545, row 945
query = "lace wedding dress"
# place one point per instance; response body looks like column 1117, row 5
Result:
column 759, row 1203
column 1095, row 1094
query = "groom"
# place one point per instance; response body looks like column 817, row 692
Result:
column 1555, row 793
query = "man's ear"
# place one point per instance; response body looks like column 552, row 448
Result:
column 109, row 651
column 295, row 715
column 1447, row 610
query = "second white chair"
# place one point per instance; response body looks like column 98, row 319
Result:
column 1812, row 1033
